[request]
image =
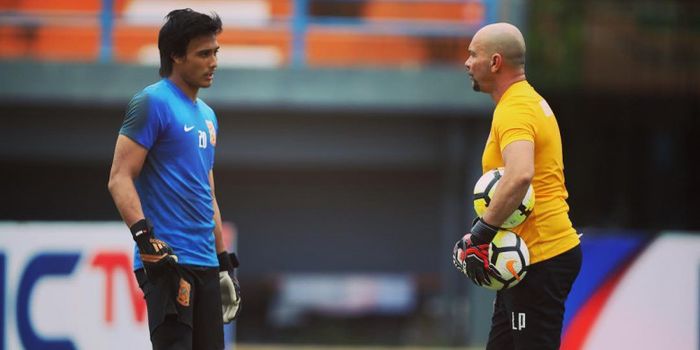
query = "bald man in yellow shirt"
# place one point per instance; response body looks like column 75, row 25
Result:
column 525, row 140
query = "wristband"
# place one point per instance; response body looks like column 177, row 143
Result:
column 141, row 227
column 142, row 231
column 227, row 262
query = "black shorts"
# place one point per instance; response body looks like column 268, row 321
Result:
column 184, row 308
column 529, row 316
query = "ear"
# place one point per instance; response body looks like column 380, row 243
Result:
column 177, row 59
column 496, row 62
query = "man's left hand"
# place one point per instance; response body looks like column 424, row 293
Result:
column 472, row 260
column 230, row 289
column 471, row 253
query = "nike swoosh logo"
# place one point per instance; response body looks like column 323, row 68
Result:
column 511, row 268
column 188, row 129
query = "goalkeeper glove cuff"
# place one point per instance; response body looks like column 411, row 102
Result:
column 151, row 250
column 482, row 232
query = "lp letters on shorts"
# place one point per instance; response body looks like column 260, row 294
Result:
column 517, row 323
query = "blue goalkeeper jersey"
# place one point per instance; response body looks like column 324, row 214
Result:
column 180, row 136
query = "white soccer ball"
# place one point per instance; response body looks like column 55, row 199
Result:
column 485, row 189
column 508, row 258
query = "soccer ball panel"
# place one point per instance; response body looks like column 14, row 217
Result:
column 484, row 191
column 508, row 258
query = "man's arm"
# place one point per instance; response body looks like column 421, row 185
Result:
column 519, row 161
column 219, row 241
column 228, row 283
column 128, row 160
column 470, row 254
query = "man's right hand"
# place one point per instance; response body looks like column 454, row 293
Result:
column 155, row 254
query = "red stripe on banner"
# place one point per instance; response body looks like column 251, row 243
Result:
column 119, row 262
column 580, row 327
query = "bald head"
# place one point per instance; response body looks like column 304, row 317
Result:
column 505, row 39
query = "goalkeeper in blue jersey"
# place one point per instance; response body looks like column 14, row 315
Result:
column 162, row 183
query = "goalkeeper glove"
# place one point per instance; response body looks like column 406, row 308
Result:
column 155, row 254
column 471, row 253
column 230, row 289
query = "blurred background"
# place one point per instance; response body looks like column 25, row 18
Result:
column 349, row 142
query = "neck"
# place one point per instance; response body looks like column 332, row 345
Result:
column 187, row 89
column 504, row 84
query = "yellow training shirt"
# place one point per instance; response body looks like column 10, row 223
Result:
column 522, row 114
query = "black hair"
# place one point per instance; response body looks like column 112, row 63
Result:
column 180, row 27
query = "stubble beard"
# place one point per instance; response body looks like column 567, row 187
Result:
column 199, row 82
column 475, row 86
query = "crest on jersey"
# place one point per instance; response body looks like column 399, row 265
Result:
column 212, row 132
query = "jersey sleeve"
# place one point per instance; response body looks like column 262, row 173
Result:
column 514, row 122
column 141, row 122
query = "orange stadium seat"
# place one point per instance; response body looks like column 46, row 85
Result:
column 429, row 10
column 128, row 41
column 14, row 42
column 347, row 49
column 280, row 8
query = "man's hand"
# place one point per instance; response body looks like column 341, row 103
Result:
column 472, row 259
column 471, row 253
column 155, row 254
column 230, row 289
